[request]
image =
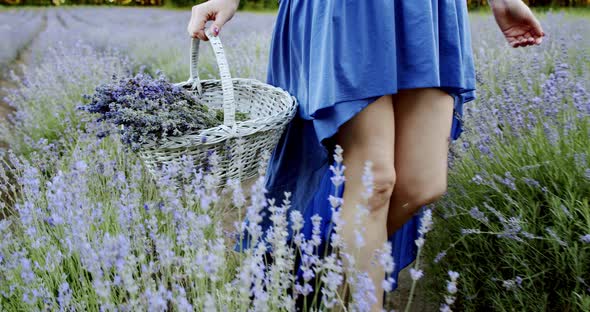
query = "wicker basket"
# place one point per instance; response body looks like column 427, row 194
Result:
column 269, row 109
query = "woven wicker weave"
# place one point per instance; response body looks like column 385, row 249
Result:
column 269, row 110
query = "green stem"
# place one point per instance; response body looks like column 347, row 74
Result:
column 411, row 296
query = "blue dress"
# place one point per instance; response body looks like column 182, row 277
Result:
column 338, row 56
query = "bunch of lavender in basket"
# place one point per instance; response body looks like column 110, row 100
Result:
column 150, row 109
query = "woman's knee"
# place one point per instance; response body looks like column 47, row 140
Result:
column 418, row 191
column 384, row 179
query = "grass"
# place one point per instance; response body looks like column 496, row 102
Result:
column 549, row 267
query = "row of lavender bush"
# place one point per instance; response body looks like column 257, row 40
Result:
column 517, row 216
column 17, row 29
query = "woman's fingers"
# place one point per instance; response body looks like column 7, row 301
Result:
column 199, row 17
column 527, row 38
column 531, row 39
column 219, row 11
column 220, row 19
column 512, row 41
column 201, row 35
column 522, row 41
column 537, row 30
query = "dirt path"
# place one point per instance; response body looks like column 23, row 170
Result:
column 6, row 83
column 22, row 58
column 399, row 298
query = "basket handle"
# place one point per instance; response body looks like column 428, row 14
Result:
column 229, row 103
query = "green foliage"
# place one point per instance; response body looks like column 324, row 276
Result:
column 527, row 234
column 182, row 3
column 244, row 4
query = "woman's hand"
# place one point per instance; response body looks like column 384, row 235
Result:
column 220, row 11
column 517, row 22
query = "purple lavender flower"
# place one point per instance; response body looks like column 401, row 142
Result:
column 507, row 180
column 477, row 179
column 556, row 237
column 64, row 296
column 470, row 231
column 440, row 256
column 416, row 274
column 150, row 109
column 531, row 182
column 478, row 215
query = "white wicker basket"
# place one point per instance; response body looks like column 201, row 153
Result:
column 269, row 109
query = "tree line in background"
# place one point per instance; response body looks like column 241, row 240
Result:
column 256, row 4
column 244, row 4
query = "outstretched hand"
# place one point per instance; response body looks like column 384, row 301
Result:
column 518, row 24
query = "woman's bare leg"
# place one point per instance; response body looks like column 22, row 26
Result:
column 423, row 120
column 368, row 136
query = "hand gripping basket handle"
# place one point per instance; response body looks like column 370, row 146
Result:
column 229, row 103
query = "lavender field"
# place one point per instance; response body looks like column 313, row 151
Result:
column 84, row 227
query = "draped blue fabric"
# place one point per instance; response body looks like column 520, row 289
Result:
column 338, row 56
